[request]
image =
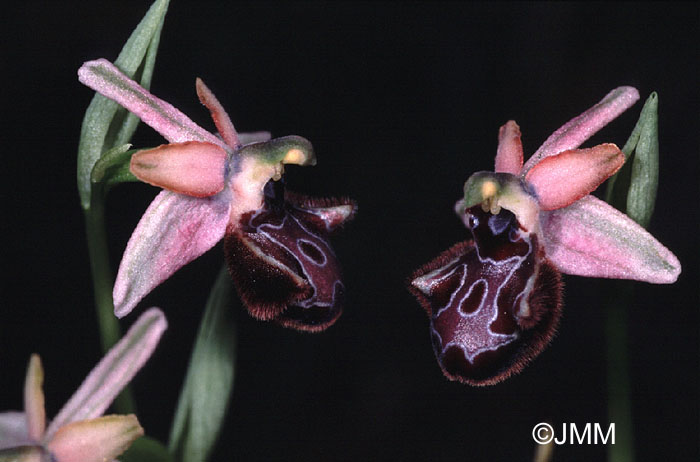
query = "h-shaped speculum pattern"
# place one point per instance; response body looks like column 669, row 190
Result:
column 495, row 300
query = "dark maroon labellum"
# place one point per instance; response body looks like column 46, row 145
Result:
column 494, row 302
column 281, row 260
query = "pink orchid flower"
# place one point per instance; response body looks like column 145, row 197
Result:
column 80, row 433
column 495, row 301
column 276, row 242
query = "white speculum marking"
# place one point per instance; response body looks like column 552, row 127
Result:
column 313, row 300
column 314, row 241
column 495, row 340
column 462, row 281
column 429, row 281
column 301, row 243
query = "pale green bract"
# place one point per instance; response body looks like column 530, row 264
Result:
column 106, row 124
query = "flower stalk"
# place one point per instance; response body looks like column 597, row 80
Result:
column 618, row 373
column 105, row 126
column 102, row 283
column 632, row 189
column 102, row 279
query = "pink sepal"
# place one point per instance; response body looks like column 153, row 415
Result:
column 95, row 440
column 509, row 156
column 103, row 77
column 194, row 168
column 565, row 178
column 579, row 129
column 113, row 372
column 591, row 238
column 174, row 230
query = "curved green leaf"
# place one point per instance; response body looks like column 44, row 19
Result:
column 209, row 381
column 106, row 124
column 641, row 196
column 633, row 188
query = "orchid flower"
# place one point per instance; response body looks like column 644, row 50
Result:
column 495, row 301
column 78, row 433
column 276, row 242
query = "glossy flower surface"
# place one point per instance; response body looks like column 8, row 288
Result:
column 215, row 187
column 79, row 433
column 282, row 261
column 495, row 301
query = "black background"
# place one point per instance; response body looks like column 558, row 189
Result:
column 403, row 102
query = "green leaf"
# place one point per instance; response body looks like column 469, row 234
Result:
column 633, row 188
column 645, row 167
column 144, row 67
column 209, row 380
column 146, row 449
column 106, row 124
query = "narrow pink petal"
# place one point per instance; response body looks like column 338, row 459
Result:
column 579, row 129
column 565, row 178
column 591, row 238
column 175, row 230
column 96, row 440
column 34, row 399
column 194, row 168
column 103, row 77
column 218, row 113
column 509, row 156
column 13, row 430
column 113, row 372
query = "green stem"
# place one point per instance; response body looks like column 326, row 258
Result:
column 619, row 399
column 102, row 282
